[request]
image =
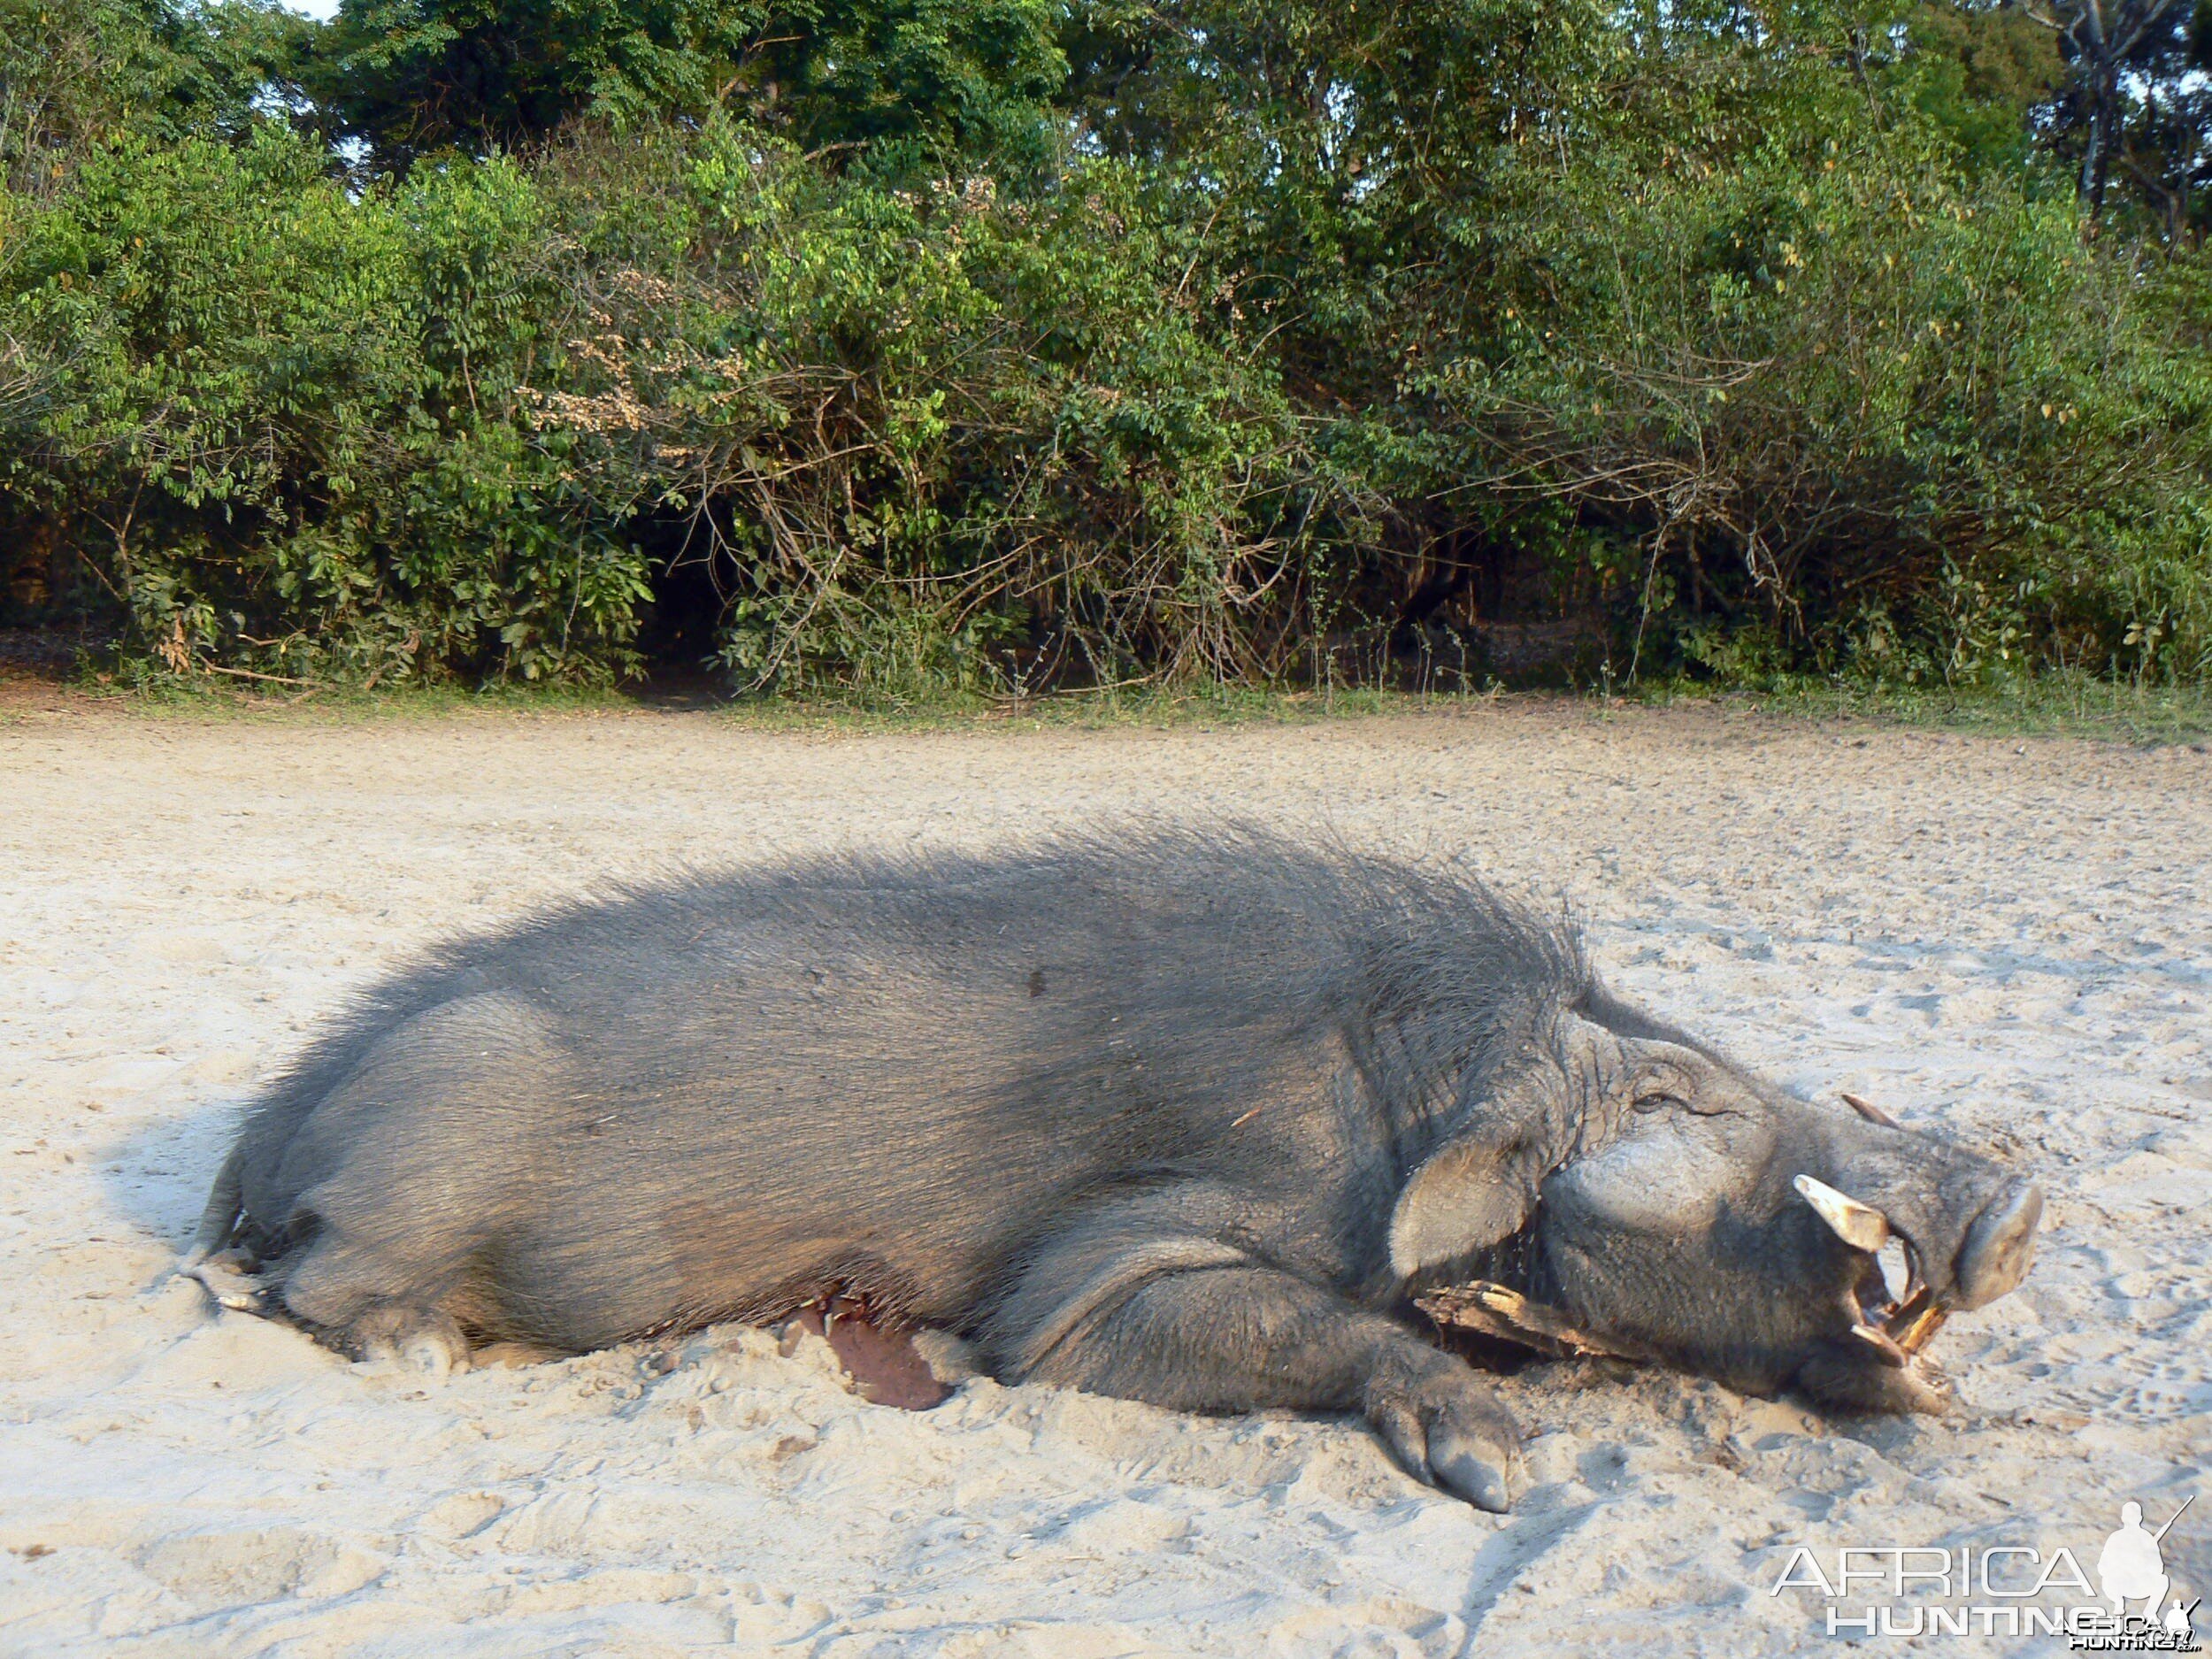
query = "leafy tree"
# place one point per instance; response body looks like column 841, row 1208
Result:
column 2106, row 41
column 1982, row 74
column 948, row 76
column 74, row 72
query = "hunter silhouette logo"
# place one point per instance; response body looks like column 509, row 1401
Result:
column 2132, row 1568
column 2009, row 1590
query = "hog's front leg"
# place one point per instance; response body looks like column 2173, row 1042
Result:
column 1193, row 1324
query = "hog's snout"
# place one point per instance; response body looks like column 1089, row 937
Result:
column 1999, row 1245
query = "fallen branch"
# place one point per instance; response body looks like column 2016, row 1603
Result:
column 1493, row 1310
column 247, row 674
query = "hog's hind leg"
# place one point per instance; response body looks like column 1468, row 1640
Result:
column 371, row 1302
column 429, row 1339
column 396, row 1233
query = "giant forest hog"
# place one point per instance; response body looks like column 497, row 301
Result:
column 1189, row 1118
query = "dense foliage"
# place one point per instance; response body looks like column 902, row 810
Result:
column 900, row 342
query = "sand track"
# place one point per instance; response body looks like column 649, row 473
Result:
column 2009, row 942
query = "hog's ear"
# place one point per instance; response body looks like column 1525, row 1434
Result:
column 1475, row 1190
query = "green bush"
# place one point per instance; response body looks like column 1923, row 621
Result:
column 279, row 430
column 1889, row 420
column 1197, row 345
column 455, row 425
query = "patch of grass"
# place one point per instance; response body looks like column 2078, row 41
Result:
column 1125, row 707
column 205, row 697
column 2055, row 705
column 2047, row 705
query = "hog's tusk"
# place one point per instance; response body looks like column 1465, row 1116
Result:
column 1872, row 1113
column 1887, row 1351
column 1920, row 1318
column 1915, row 1286
column 1861, row 1226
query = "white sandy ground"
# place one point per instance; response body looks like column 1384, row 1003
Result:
column 2010, row 942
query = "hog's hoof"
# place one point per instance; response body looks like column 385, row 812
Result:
column 1449, row 1430
column 422, row 1338
column 225, row 1279
column 1477, row 1471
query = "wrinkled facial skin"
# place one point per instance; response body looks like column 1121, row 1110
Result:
column 1684, row 1232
